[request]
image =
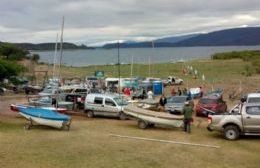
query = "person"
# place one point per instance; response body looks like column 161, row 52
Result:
column 162, row 102
column 179, row 92
column 150, row 94
column 173, row 92
column 187, row 112
column 201, row 92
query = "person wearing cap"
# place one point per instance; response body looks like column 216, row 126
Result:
column 187, row 112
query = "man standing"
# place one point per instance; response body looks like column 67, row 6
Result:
column 162, row 102
column 187, row 112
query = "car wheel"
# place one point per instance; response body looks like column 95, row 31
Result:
column 90, row 114
column 142, row 124
column 122, row 116
column 231, row 132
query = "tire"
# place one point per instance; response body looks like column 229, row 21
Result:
column 27, row 126
column 142, row 124
column 90, row 114
column 231, row 132
column 122, row 116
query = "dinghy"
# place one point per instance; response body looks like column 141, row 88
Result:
column 45, row 117
column 149, row 118
column 14, row 107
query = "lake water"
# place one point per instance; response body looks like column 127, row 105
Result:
column 79, row 58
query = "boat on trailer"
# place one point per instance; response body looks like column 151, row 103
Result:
column 15, row 108
column 39, row 116
column 148, row 118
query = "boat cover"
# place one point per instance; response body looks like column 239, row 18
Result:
column 43, row 113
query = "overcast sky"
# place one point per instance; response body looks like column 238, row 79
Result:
column 97, row 21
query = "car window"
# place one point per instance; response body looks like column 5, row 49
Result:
column 98, row 100
column 253, row 110
column 109, row 102
column 253, row 99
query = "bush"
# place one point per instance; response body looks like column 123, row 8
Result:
column 10, row 68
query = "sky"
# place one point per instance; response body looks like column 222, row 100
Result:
column 95, row 22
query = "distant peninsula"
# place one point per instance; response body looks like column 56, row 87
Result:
column 50, row 46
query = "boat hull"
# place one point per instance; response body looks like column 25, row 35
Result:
column 47, row 122
column 152, row 117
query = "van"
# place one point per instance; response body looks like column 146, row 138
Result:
column 110, row 105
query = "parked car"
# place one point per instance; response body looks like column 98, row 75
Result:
column 77, row 96
column 105, row 105
column 210, row 104
column 172, row 80
column 139, row 94
column 243, row 119
column 175, row 104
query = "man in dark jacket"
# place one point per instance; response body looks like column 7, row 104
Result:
column 187, row 112
column 162, row 102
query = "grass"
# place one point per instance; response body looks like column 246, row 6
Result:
column 88, row 144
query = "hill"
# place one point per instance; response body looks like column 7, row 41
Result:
column 49, row 46
column 227, row 37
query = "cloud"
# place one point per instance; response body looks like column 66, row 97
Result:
column 97, row 21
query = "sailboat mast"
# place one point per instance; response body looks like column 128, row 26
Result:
column 55, row 57
column 61, row 43
column 132, row 66
column 150, row 61
column 118, row 59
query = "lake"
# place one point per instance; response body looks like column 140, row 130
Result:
column 79, row 58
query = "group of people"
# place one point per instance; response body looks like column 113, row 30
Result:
column 179, row 92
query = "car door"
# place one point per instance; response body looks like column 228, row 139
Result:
column 98, row 106
column 110, row 107
column 251, row 119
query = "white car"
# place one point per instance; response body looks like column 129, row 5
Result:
column 172, row 80
column 111, row 105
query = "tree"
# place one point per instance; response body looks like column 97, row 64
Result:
column 11, row 52
column 10, row 68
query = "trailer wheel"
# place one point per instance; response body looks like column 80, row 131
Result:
column 231, row 132
column 27, row 126
column 142, row 124
column 90, row 114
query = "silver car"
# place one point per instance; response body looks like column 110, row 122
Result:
column 175, row 104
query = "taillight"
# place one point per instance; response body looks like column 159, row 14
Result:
column 209, row 119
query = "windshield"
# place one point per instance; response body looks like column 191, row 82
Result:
column 208, row 101
column 181, row 99
column 120, row 101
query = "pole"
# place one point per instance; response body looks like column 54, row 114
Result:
column 118, row 59
column 61, row 50
column 132, row 66
column 55, row 57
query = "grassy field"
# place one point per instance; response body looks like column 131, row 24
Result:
column 88, row 143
